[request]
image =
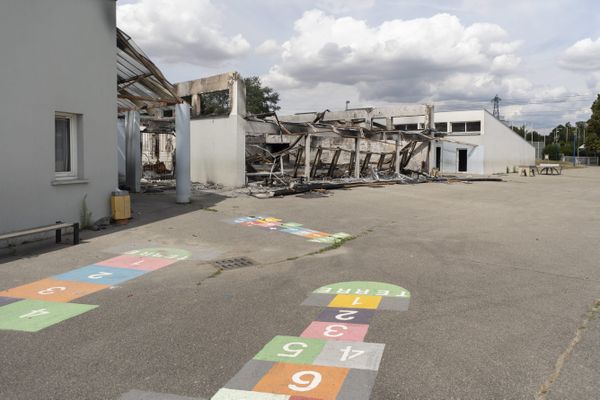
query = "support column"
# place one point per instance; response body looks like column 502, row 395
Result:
column 307, row 158
column 397, row 163
column 357, row 142
column 182, row 167
column 133, row 152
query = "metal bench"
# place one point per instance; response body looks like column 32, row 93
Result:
column 57, row 227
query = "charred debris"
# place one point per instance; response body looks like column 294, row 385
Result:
column 342, row 152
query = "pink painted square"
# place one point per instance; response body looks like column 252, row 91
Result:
column 336, row 331
column 134, row 262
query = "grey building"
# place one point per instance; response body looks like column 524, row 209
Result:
column 57, row 110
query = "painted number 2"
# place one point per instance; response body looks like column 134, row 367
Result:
column 307, row 384
column 292, row 353
column 346, row 315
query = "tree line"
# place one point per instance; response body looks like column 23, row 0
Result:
column 560, row 139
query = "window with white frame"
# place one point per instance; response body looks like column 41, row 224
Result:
column 468, row 126
column 65, row 145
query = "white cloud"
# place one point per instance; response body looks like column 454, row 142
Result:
column 268, row 47
column 181, row 31
column 582, row 56
column 344, row 6
column 399, row 60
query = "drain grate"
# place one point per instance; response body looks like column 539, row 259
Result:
column 232, row 263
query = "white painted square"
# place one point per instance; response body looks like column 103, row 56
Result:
column 355, row 355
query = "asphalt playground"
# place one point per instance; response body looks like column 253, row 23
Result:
column 433, row 291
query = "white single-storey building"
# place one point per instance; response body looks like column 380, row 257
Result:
column 476, row 143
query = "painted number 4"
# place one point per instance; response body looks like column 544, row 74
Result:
column 35, row 313
column 306, row 384
column 348, row 353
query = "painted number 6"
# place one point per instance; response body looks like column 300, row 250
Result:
column 307, row 385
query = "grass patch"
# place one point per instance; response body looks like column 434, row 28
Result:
column 210, row 209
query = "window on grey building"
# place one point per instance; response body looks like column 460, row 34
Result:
column 65, row 145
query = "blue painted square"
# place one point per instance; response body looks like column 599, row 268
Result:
column 100, row 274
column 7, row 300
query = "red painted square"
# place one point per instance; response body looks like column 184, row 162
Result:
column 336, row 331
column 134, row 262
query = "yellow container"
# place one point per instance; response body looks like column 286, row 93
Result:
column 120, row 204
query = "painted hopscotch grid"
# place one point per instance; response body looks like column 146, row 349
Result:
column 329, row 360
column 292, row 228
column 46, row 302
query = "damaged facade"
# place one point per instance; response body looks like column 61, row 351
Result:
column 231, row 148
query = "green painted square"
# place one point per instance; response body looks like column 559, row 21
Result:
column 35, row 315
column 291, row 349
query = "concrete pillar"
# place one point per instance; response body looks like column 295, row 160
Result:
column 397, row 165
column 182, row 168
column 357, row 143
column 133, row 156
column 307, row 158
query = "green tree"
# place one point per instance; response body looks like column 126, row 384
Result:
column 259, row 98
column 553, row 151
column 592, row 143
column 593, row 124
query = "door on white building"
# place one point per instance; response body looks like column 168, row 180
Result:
column 438, row 158
column 462, row 160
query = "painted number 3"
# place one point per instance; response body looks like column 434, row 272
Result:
column 306, row 384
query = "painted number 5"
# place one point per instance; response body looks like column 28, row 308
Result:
column 307, row 384
column 293, row 352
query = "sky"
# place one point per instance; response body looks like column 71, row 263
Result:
column 542, row 57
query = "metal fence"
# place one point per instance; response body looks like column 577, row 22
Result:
column 581, row 160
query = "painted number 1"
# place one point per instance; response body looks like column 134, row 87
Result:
column 307, row 385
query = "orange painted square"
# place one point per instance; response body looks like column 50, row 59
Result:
column 355, row 301
column 279, row 380
column 53, row 290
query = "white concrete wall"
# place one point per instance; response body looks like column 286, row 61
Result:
column 218, row 145
column 57, row 55
column 505, row 147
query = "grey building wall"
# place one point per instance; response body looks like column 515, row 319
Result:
column 56, row 56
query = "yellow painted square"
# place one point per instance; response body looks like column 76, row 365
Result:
column 355, row 301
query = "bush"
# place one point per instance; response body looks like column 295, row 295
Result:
column 553, row 151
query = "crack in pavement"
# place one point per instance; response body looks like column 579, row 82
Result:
column 562, row 359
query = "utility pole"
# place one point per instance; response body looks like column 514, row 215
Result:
column 575, row 148
column 496, row 101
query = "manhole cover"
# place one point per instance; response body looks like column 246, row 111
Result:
column 231, row 263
